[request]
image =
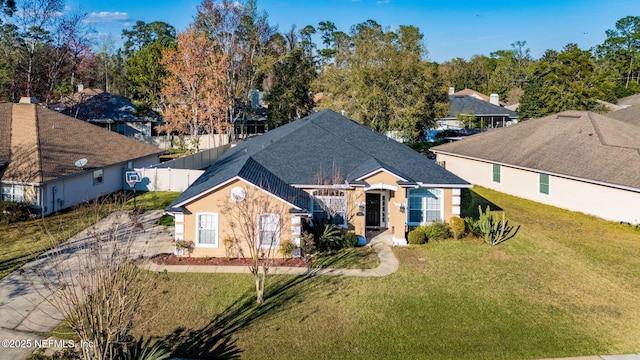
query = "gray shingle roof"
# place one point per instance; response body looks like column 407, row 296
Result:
column 578, row 144
column 322, row 144
column 461, row 104
column 630, row 115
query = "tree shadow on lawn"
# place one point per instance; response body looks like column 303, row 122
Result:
column 214, row 341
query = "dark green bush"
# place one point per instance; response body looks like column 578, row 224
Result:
column 350, row 240
column 416, row 237
column 435, row 231
column 11, row 212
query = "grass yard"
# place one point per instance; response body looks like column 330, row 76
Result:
column 567, row 285
column 23, row 241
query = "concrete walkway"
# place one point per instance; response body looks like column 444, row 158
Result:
column 380, row 243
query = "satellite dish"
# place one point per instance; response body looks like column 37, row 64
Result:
column 81, row 163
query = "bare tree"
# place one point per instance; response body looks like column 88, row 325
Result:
column 97, row 287
column 256, row 222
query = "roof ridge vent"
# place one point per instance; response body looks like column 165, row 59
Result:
column 567, row 116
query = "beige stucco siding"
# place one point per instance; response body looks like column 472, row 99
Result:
column 594, row 199
column 214, row 202
column 396, row 219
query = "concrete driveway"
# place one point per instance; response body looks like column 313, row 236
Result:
column 24, row 309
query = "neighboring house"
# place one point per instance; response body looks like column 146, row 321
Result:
column 493, row 99
column 109, row 111
column 321, row 163
column 469, row 111
column 576, row 160
column 54, row 161
column 629, row 114
column 630, row 100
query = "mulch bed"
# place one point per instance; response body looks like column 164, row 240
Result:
column 170, row 259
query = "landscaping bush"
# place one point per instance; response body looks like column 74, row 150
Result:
column 457, row 227
column 435, row 231
column 416, row 237
column 472, row 227
column 286, row 248
column 349, row 240
column 11, row 212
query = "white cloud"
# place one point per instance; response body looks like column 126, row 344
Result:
column 106, row 16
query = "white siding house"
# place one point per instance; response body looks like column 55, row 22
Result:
column 578, row 161
column 40, row 153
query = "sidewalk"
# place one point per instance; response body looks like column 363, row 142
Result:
column 381, row 244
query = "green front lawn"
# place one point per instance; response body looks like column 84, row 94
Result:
column 567, row 285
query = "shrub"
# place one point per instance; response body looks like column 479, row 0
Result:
column 230, row 249
column 495, row 231
column 286, row 248
column 349, row 240
column 435, row 231
column 472, row 227
column 330, row 237
column 416, row 237
column 307, row 244
column 457, row 227
column 11, row 212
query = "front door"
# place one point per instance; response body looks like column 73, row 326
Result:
column 373, row 210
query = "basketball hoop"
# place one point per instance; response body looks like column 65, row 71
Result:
column 131, row 178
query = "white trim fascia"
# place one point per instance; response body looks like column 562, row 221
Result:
column 380, row 186
column 379, row 170
column 12, row 182
column 210, row 190
column 590, row 181
column 445, row 186
column 336, row 186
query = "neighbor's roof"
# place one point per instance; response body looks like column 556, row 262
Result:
column 99, row 107
column 324, row 144
column 630, row 114
column 474, row 93
column 41, row 144
column 630, row 100
column 577, row 144
column 461, row 104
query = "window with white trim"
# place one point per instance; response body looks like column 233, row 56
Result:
column 268, row 230
column 543, row 183
column 12, row 192
column 330, row 204
column 207, row 229
column 425, row 206
column 497, row 173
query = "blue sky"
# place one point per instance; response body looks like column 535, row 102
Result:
column 451, row 29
